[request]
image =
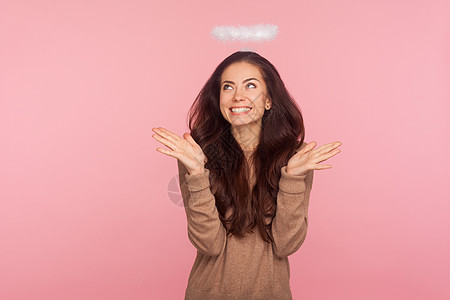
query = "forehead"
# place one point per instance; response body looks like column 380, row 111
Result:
column 241, row 70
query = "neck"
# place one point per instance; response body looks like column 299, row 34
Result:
column 247, row 135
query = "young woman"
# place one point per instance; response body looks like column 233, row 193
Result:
column 245, row 176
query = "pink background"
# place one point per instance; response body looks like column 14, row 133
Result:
column 88, row 209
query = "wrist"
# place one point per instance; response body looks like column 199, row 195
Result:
column 290, row 173
column 197, row 171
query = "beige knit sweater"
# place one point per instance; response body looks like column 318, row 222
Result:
column 231, row 268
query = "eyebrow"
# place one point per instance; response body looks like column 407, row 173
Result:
column 248, row 79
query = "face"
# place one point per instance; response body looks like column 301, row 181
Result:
column 243, row 87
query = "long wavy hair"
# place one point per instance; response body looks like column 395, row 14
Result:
column 282, row 132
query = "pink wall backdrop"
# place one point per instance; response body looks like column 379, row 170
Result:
column 89, row 208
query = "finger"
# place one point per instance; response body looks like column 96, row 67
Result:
column 325, row 147
column 167, row 152
column 328, row 147
column 189, row 138
column 322, row 167
column 327, row 155
column 169, row 135
column 308, row 147
column 165, row 141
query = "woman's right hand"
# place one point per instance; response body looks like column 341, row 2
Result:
column 185, row 149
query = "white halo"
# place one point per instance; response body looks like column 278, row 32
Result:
column 257, row 33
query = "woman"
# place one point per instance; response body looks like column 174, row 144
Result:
column 244, row 166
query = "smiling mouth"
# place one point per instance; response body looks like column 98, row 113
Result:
column 240, row 111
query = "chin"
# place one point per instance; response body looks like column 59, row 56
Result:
column 242, row 122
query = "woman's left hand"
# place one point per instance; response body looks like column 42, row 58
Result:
column 309, row 158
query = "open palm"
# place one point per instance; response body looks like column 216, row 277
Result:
column 309, row 158
column 185, row 149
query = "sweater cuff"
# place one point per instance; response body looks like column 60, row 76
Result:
column 197, row 182
column 292, row 184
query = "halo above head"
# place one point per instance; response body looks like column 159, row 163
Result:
column 257, row 33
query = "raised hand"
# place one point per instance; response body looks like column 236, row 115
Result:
column 185, row 149
column 309, row 158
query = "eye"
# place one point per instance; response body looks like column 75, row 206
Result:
column 225, row 87
column 251, row 84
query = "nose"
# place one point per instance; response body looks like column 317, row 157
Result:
column 238, row 95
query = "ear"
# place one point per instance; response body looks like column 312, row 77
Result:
column 268, row 101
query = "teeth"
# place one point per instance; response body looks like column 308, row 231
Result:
column 239, row 110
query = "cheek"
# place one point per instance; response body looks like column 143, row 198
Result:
column 258, row 97
column 223, row 100
column 259, row 107
column 222, row 106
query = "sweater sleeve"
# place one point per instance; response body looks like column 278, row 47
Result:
column 205, row 230
column 290, row 224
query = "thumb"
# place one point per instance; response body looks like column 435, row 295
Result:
column 308, row 147
column 189, row 138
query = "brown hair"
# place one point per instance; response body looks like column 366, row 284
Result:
column 282, row 132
